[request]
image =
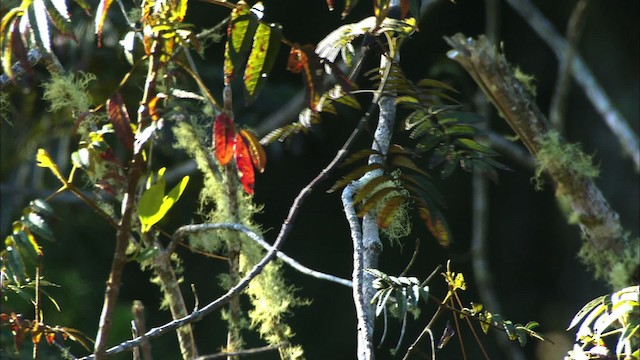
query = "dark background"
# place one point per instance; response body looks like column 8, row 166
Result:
column 532, row 248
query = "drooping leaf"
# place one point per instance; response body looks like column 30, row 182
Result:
column 367, row 189
column 39, row 23
column 245, row 167
column 27, row 245
column 101, row 16
column 59, row 15
column 436, row 225
column 224, row 138
column 355, row 174
column 266, row 43
column 36, row 224
column 180, row 10
column 406, row 163
column 119, row 118
column 283, row 133
column 388, row 212
column 256, row 151
column 44, row 160
column 359, row 155
column 41, row 207
column 15, row 264
column 240, row 33
column 304, row 60
column 18, row 48
column 154, row 204
column 374, row 200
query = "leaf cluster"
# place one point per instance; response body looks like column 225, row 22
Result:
column 611, row 316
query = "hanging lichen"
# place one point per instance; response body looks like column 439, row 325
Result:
column 270, row 297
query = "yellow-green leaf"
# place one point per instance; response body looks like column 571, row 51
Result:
column 44, row 160
column 266, row 42
column 240, row 32
column 154, row 204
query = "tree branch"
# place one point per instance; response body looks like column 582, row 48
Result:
column 583, row 76
column 606, row 243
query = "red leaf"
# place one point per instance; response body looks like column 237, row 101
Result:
column 256, row 151
column 50, row 337
column 304, row 59
column 224, row 138
column 245, row 167
column 330, row 5
column 119, row 118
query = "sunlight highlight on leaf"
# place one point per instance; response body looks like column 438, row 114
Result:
column 224, row 138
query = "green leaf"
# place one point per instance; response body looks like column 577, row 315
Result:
column 266, row 43
column 241, row 30
column 36, row 224
column 59, row 15
column 359, row 155
column 27, row 245
column 154, row 205
column 41, row 207
column 475, row 146
column 584, row 311
column 436, row 84
column 101, row 16
column 353, row 175
column 39, row 23
column 15, row 264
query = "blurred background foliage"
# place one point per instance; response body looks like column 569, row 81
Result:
column 532, row 248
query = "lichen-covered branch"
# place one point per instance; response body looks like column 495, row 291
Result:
column 583, row 76
column 606, row 249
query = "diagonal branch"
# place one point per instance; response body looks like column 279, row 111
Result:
column 606, row 249
column 583, row 76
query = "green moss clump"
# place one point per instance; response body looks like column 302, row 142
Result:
column 526, row 80
column 616, row 270
column 562, row 157
column 4, row 108
column 68, row 91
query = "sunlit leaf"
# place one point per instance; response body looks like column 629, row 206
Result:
column 36, row 224
column 282, row 133
column 180, row 10
column 240, row 32
column 119, row 118
column 44, row 160
column 101, row 16
column 266, row 43
column 224, row 138
column 256, row 151
column 39, row 23
column 58, row 13
column 245, row 167
column 27, row 244
column 154, row 204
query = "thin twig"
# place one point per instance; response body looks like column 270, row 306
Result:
column 285, row 229
column 598, row 222
column 563, row 83
column 583, row 76
column 253, row 351
column 414, row 256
